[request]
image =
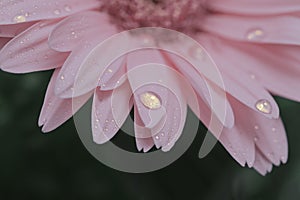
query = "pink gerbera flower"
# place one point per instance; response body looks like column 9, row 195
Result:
column 254, row 44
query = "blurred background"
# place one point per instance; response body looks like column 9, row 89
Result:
column 57, row 166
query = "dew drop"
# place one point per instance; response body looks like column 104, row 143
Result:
column 148, row 40
column 197, row 52
column 255, row 34
column 255, row 139
column 19, row 19
column 56, row 12
column 252, row 76
column 270, row 154
column 264, row 106
column 150, row 100
column 157, row 137
column 68, row 8
column 62, row 77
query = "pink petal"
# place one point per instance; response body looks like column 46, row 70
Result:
column 139, row 84
column 256, row 29
column 109, row 112
column 272, row 71
column 56, row 111
column 220, row 106
column 255, row 7
column 93, row 65
column 236, row 141
column 81, row 29
column 14, row 30
column 268, row 134
column 42, row 9
column 114, row 75
column 147, row 74
column 29, row 51
column 241, row 85
column 174, row 123
column 143, row 135
column 89, row 35
column 261, row 164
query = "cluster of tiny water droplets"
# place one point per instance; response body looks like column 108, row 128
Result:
column 174, row 14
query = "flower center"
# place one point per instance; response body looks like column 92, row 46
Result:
column 180, row 15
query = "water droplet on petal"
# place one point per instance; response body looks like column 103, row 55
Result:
column 62, row 77
column 264, row 106
column 67, row 8
column 19, row 19
column 150, row 100
column 56, row 12
column 148, row 40
column 197, row 53
column 255, row 34
column 157, row 137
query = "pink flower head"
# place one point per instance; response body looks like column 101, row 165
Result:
column 254, row 44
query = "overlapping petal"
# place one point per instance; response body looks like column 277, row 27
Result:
column 13, row 12
column 30, row 52
column 255, row 7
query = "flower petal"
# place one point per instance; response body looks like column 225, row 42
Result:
column 13, row 12
column 114, row 75
column 261, row 164
column 282, row 29
column 254, row 7
column 14, row 29
column 237, row 142
column 278, row 75
column 205, row 89
column 241, row 85
column 148, row 76
column 109, row 112
column 268, row 134
column 77, row 30
column 56, row 111
column 87, row 35
column 30, row 52
column 143, row 135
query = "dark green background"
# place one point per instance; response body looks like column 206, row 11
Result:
column 57, row 166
